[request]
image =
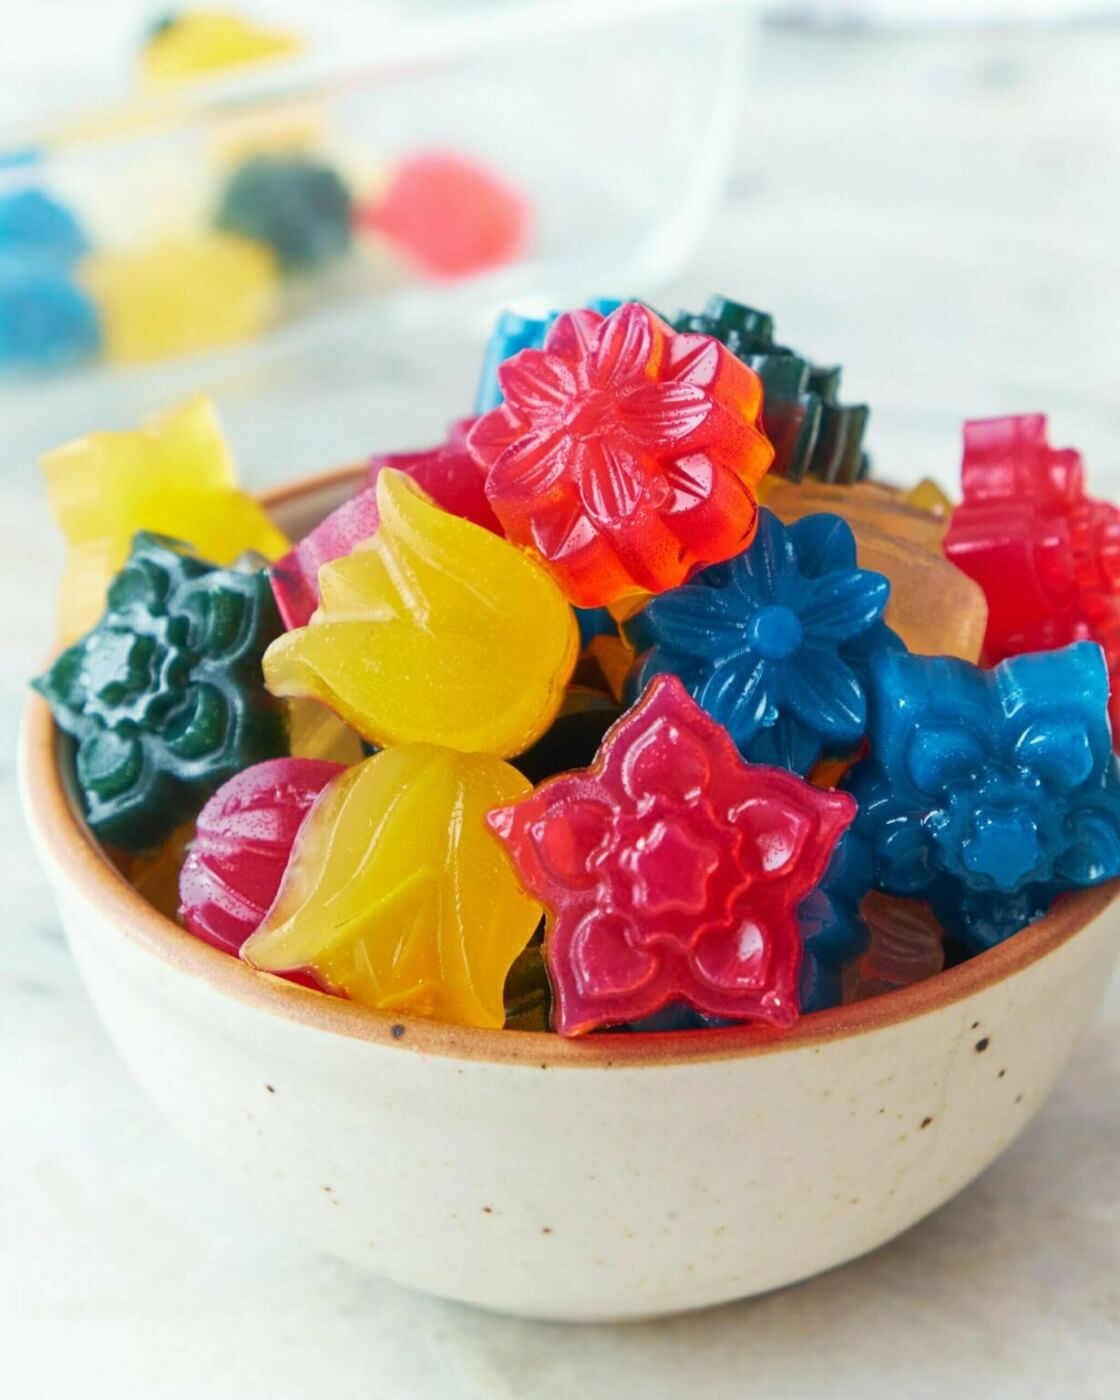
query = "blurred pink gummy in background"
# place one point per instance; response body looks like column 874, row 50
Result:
column 449, row 216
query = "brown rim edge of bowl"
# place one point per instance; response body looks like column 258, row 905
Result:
column 85, row 864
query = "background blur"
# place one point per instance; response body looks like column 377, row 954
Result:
column 928, row 195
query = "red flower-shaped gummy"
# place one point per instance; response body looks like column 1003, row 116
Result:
column 241, row 848
column 672, row 870
column 624, row 453
column 1046, row 554
column 448, row 473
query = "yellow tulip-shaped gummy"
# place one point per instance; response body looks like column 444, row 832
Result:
column 396, row 893
column 173, row 475
column 433, row 631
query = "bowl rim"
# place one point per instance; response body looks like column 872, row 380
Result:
column 78, row 859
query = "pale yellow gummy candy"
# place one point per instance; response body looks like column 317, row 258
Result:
column 173, row 475
column 432, row 631
column 181, row 295
column 396, row 893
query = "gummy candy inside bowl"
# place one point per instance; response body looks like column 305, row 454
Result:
column 612, row 1177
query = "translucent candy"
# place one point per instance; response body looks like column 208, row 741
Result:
column 625, row 455
column 297, row 206
column 512, row 333
column 813, row 433
column 174, row 476
column 316, row 732
column 1046, row 554
column 449, row 216
column 433, row 631
column 672, row 871
column 164, row 696
column 906, row 946
column 181, row 295
column 396, row 894
column 904, row 543
column 988, row 793
column 775, row 643
column 242, row 845
column 448, row 474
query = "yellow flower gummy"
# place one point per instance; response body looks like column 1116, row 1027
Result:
column 432, row 631
column 397, row 895
column 181, row 294
column 173, row 475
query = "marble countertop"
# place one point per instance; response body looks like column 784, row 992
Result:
column 940, row 214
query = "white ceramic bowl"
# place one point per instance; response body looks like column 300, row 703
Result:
column 617, row 1177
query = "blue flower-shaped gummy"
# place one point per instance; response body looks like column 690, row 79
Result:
column 989, row 793
column 776, row 643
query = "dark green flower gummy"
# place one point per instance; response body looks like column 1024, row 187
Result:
column 164, row 697
column 298, row 207
column 813, row 434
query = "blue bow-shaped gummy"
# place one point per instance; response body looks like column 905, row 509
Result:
column 989, row 792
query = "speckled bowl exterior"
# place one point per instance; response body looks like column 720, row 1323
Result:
column 622, row 1176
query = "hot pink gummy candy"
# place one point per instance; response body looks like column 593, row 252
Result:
column 1046, row 554
column 671, row 870
column 447, row 473
column 625, row 454
column 244, row 838
column 450, row 216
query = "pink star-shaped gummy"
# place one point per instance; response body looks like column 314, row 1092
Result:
column 447, row 473
column 625, row 454
column 672, row 870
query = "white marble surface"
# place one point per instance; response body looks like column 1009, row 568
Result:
column 939, row 214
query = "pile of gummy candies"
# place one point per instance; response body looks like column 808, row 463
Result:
column 592, row 717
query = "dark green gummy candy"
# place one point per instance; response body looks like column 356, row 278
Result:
column 298, row 207
column 164, row 697
column 813, row 434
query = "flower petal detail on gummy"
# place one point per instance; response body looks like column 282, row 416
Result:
column 625, row 455
column 672, row 871
column 775, row 643
column 164, row 695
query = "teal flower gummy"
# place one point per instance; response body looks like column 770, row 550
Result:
column 164, row 697
column 775, row 644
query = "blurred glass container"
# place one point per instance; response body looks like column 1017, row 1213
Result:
column 616, row 123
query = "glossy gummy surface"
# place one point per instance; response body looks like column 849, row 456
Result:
column 625, row 455
column 397, row 895
column 775, row 643
column 1046, row 554
column 813, row 434
column 988, row 793
column 241, row 847
column 672, row 871
column 417, row 630
column 173, row 475
column 164, row 696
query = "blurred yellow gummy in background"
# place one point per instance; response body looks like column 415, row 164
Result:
column 174, row 475
column 432, row 631
column 397, row 894
column 196, row 43
column 181, row 294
